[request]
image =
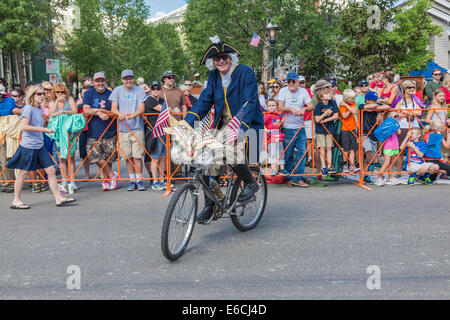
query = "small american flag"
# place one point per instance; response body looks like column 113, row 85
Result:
column 161, row 122
column 255, row 40
column 234, row 125
column 206, row 120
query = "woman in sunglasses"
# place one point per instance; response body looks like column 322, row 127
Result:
column 276, row 89
column 411, row 112
column 31, row 154
column 63, row 103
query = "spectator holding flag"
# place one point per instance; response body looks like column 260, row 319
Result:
column 233, row 90
column 153, row 131
column 128, row 104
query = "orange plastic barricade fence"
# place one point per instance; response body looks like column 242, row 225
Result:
column 364, row 164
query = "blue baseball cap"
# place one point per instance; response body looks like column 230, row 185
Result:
column 127, row 73
column 371, row 95
column 292, row 76
column 363, row 82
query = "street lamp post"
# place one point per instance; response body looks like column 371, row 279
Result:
column 272, row 29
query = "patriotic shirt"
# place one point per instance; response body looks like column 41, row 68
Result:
column 97, row 126
column 421, row 145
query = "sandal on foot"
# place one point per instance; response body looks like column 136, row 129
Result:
column 20, row 206
column 65, row 202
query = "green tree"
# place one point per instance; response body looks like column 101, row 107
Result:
column 113, row 36
column 24, row 25
column 87, row 46
column 235, row 21
column 178, row 60
column 374, row 35
column 411, row 37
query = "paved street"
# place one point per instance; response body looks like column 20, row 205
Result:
column 314, row 243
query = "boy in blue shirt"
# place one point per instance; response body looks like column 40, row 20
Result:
column 417, row 167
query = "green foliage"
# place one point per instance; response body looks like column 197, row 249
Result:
column 178, row 60
column 302, row 30
column 24, row 24
column 399, row 41
column 114, row 35
column 411, row 35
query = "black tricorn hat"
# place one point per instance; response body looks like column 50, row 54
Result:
column 216, row 48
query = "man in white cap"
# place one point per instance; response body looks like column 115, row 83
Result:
column 101, row 135
column 128, row 104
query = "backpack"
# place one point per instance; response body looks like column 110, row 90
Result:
column 386, row 129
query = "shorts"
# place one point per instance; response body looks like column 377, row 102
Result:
column 349, row 140
column 309, row 130
column 369, row 145
column 102, row 150
column 159, row 150
column 324, row 141
column 391, row 152
column 414, row 167
column 131, row 147
column 30, row 159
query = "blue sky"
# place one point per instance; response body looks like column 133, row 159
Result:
column 159, row 7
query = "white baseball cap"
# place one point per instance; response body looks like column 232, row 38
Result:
column 2, row 90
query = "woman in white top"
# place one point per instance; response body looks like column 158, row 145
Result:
column 408, row 118
column 439, row 104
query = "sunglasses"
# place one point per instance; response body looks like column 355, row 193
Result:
column 59, row 91
column 409, row 88
column 223, row 57
column 156, row 89
column 39, row 94
column 302, row 82
column 14, row 95
column 48, row 89
column 276, row 87
column 171, row 78
column 188, row 84
column 291, row 81
column 365, row 85
column 437, row 74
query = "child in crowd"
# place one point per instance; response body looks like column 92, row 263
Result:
column 326, row 112
column 436, row 139
column 417, row 167
column 390, row 150
column 272, row 124
column 348, row 113
column 32, row 154
column 371, row 109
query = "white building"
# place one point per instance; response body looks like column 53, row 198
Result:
column 440, row 15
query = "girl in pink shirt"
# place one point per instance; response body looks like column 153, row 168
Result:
column 391, row 148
